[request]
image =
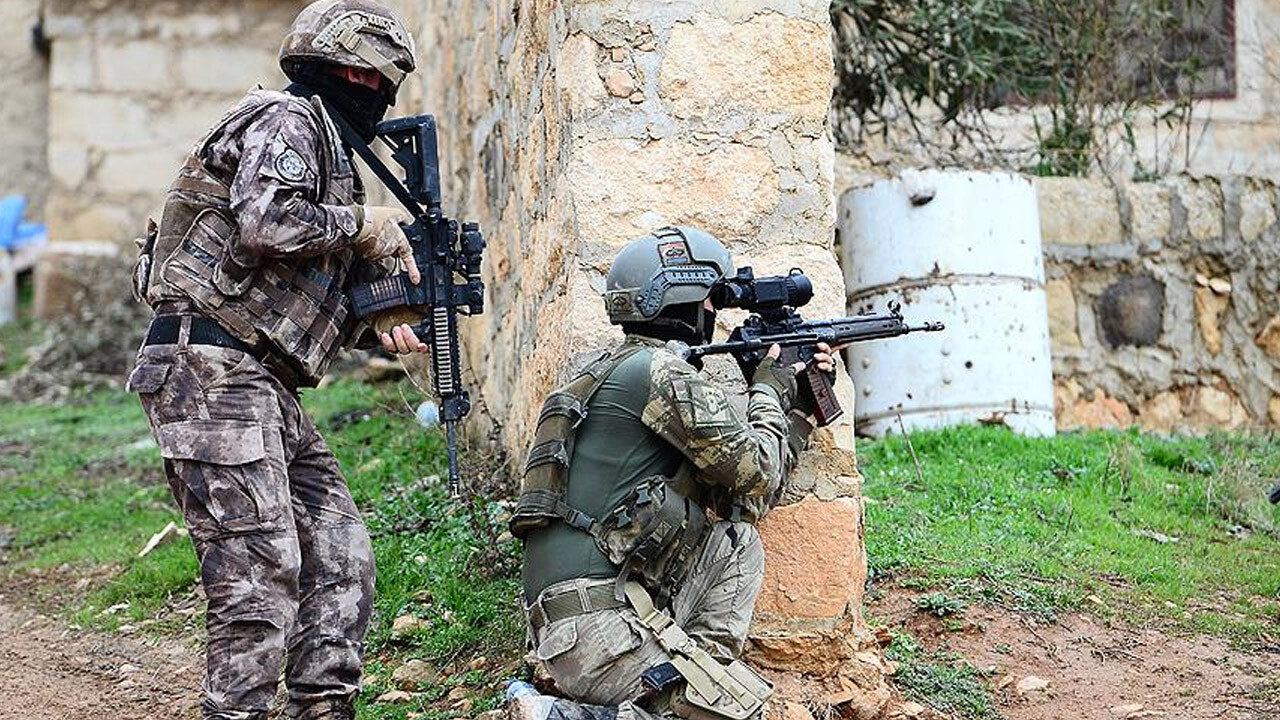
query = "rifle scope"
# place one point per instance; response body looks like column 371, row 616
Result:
column 745, row 290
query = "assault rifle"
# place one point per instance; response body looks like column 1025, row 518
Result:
column 448, row 254
column 774, row 321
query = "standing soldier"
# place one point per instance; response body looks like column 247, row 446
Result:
column 246, row 273
column 634, row 597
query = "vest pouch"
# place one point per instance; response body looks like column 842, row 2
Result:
column 231, row 278
column 739, row 695
column 653, row 533
column 191, row 266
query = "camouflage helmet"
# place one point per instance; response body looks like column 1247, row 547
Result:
column 671, row 266
column 353, row 33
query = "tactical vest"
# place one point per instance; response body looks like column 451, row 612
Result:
column 297, row 305
column 653, row 534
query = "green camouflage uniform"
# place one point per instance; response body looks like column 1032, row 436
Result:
column 655, row 414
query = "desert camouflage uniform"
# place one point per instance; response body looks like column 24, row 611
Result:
column 717, row 460
column 285, row 559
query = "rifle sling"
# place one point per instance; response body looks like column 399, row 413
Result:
column 357, row 143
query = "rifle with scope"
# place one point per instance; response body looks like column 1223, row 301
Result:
column 448, row 254
column 774, row 320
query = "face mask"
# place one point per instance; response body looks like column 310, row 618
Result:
column 707, row 323
column 362, row 106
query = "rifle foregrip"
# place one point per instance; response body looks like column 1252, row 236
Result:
column 826, row 408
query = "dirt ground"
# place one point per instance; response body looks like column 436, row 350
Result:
column 1098, row 670
column 1093, row 669
column 48, row 672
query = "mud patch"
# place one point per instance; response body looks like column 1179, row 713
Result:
column 50, row 671
column 1094, row 668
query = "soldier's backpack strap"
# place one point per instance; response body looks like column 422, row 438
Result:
column 546, row 473
column 713, row 690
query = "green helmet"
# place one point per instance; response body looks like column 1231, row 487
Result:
column 354, row 33
column 671, row 266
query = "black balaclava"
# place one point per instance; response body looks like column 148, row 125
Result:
column 690, row 323
column 362, row 106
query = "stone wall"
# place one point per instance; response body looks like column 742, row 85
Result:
column 570, row 127
column 24, row 111
column 1162, row 301
column 132, row 85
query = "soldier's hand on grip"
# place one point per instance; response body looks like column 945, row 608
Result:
column 381, row 237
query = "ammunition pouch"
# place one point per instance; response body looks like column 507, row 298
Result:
column 653, row 535
column 713, row 690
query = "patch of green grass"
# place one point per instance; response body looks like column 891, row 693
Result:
column 84, row 491
column 942, row 680
column 940, row 604
column 1036, row 525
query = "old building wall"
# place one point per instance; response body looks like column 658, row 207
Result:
column 132, row 86
column 570, row 127
column 1162, row 302
column 23, row 112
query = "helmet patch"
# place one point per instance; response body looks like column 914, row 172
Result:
column 675, row 252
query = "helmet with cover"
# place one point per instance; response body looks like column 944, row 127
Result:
column 658, row 283
column 352, row 33
column 332, row 38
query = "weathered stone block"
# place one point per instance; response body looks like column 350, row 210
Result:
column 1257, row 213
column 576, row 76
column 1202, row 200
column 1162, row 412
column 71, row 66
column 137, row 65
column 68, row 163
column 142, row 171
column 1072, row 411
column 1151, row 211
column 619, row 183
column 768, row 64
column 1215, row 406
column 1062, row 314
column 1078, row 211
column 1269, row 338
column 59, row 273
column 105, row 121
column 1131, row 311
column 73, row 221
column 1209, row 308
column 226, row 67
column 816, row 566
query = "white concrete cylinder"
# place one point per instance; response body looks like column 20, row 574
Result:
column 962, row 248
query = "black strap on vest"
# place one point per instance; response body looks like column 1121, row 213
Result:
column 352, row 139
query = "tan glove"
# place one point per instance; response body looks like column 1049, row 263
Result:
column 380, row 236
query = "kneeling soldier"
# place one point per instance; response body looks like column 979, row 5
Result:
column 635, row 597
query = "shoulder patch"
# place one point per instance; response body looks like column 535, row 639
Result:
column 290, row 165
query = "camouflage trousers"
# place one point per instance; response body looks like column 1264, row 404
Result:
column 285, row 559
column 598, row 657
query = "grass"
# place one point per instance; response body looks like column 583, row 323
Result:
column 942, row 680
column 84, row 492
column 1173, row 531
column 1167, row 530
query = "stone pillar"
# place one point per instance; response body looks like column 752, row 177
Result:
column 569, row 128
